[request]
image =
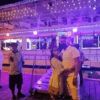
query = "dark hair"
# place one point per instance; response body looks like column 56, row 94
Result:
column 53, row 40
column 14, row 44
column 63, row 37
column 52, row 55
column 76, row 45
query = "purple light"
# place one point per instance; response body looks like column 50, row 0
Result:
column 74, row 30
column 35, row 32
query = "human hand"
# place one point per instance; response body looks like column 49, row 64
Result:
column 11, row 58
column 75, row 81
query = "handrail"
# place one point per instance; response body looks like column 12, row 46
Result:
column 92, row 79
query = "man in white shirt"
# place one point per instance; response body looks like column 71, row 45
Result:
column 16, row 61
column 1, row 60
column 71, row 65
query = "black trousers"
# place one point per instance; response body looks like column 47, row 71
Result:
column 15, row 79
column 81, row 76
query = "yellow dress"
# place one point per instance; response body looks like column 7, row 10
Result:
column 54, row 83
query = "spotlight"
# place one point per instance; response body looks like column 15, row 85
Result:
column 74, row 30
column 35, row 32
column 7, row 34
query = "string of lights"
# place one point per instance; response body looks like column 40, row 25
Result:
column 74, row 29
column 18, row 13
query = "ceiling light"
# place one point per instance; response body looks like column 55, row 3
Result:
column 75, row 30
column 7, row 34
column 35, row 32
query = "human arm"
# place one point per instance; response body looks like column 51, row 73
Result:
column 10, row 58
column 77, row 66
column 57, row 65
column 22, row 58
column 76, row 57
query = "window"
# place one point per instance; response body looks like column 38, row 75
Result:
column 5, row 44
column 32, row 44
column 89, row 41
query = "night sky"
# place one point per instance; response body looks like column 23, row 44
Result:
column 4, row 2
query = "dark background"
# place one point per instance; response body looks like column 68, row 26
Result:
column 4, row 2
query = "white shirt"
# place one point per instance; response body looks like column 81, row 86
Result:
column 68, row 57
column 1, row 59
column 16, row 65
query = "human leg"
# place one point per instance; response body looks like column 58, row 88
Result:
column 81, row 77
column 19, row 82
column 73, row 88
column 12, row 85
column 0, row 79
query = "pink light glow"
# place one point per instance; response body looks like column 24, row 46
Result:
column 7, row 34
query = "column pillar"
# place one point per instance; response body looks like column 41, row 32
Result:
column 0, row 45
column 24, row 43
column 76, row 39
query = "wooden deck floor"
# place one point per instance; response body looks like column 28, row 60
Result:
column 5, row 93
column 89, row 91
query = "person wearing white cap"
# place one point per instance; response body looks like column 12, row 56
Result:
column 1, row 60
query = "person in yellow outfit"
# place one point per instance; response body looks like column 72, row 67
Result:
column 71, row 65
column 57, row 69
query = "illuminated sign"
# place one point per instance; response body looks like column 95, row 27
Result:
column 61, row 33
column 67, row 34
column 87, row 37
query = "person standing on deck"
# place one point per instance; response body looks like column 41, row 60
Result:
column 55, row 80
column 16, row 61
column 1, row 60
column 71, row 65
column 82, row 59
